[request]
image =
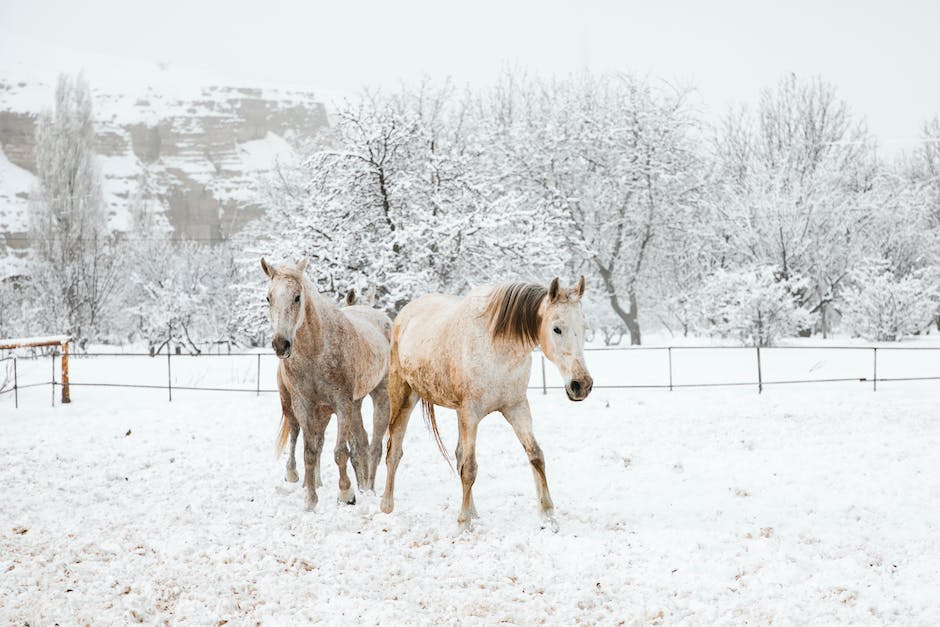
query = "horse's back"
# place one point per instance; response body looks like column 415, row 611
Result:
column 429, row 316
column 370, row 359
column 437, row 343
column 358, row 314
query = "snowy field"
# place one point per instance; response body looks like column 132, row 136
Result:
column 807, row 504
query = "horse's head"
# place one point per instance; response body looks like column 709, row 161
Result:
column 286, row 299
column 561, row 336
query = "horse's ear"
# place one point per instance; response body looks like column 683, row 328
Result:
column 302, row 264
column 268, row 268
column 579, row 288
column 351, row 297
column 553, row 290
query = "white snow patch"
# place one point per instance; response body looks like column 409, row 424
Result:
column 263, row 154
column 15, row 185
column 801, row 505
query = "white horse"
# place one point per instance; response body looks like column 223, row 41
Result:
column 474, row 354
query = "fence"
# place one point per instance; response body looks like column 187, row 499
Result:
column 540, row 378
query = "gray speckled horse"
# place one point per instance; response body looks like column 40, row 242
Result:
column 330, row 359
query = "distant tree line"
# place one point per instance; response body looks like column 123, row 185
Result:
column 782, row 220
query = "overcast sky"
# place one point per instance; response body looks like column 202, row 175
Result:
column 884, row 57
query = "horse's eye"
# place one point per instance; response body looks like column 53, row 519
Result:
column 297, row 298
column 268, row 298
column 557, row 331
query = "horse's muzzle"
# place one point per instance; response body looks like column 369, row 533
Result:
column 578, row 389
column 281, row 347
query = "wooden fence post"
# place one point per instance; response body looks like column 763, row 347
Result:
column 53, row 355
column 66, row 393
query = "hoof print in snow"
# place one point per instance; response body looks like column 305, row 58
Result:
column 677, row 467
column 20, row 530
column 740, row 492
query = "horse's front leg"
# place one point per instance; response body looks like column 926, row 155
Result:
column 314, row 426
column 292, row 425
column 520, row 417
column 291, row 470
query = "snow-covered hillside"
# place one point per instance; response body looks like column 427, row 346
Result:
column 185, row 145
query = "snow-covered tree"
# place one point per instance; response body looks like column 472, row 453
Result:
column 754, row 305
column 395, row 195
column 182, row 291
column 882, row 306
column 612, row 160
column 795, row 179
column 73, row 268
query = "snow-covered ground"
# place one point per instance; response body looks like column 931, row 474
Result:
column 807, row 504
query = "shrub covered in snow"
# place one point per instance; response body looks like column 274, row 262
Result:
column 881, row 306
column 754, row 305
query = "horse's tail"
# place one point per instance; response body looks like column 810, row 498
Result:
column 427, row 409
column 282, row 435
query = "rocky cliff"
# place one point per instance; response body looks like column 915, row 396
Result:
column 194, row 159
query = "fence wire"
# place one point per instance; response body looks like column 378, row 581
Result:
column 169, row 386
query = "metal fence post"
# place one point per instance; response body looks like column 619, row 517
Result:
column 760, row 377
column 16, row 391
column 544, row 386
column 669, row 351
column 169, row 373
column 874, row 377
column 258, row 380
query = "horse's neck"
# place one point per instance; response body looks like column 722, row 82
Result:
column 319, row 316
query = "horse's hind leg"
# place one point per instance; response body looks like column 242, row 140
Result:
column 353, row 434
column 380, row 418
column 458, row 454
column 520, row 417
column 467, row 463
column 402, row 401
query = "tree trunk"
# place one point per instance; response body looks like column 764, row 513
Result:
column 628, row 317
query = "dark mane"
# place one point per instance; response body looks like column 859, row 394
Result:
column 513, row 310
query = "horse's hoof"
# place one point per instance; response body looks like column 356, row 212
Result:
column 291, row 476
column 347, row 496
column 550, row 523
column 463, row 525
column 311, row 503
column 386, row 505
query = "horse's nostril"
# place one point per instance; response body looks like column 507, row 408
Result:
column 576, row 387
